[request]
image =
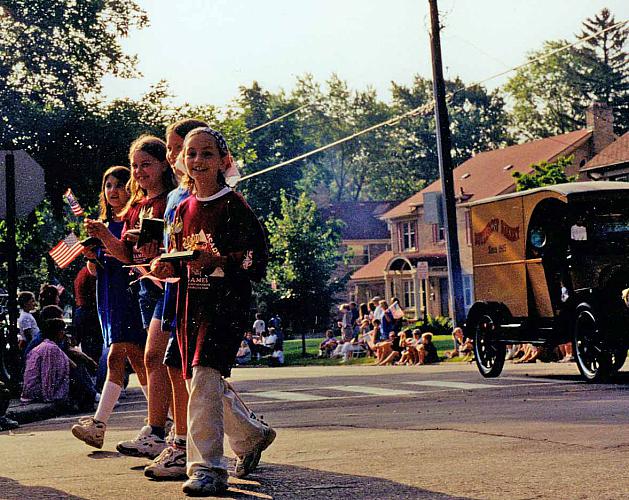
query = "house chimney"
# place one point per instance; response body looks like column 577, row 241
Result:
column 600, row 120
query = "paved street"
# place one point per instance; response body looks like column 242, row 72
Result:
column 373, row 432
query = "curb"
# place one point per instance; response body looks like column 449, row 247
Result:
column 33, row 412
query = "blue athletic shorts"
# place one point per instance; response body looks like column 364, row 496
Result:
column 151, row 300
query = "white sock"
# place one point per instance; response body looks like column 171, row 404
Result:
column 108, row 399
column 145, row 391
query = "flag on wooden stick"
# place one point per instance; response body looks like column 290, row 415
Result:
column 73, row 202
column 66, row 251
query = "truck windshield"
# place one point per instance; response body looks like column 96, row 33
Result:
column 600, row 226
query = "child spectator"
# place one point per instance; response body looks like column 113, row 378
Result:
column 258, row 325
column 243, row 356
column 327, row 347
column 427, row 350
column 26, row 321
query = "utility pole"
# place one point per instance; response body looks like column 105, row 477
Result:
column 444, row 146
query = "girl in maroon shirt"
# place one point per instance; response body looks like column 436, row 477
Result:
column 151, row 180
column 214, row 292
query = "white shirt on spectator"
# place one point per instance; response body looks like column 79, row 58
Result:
column 25, row 322
column 258, row 326
column 270, row 340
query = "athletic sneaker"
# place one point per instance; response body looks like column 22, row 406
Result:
column 90, row 431
column 205, row 483
column 170, row 464
column 144, row 445
column 247, row 463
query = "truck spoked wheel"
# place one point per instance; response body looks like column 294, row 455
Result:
column 489, row 354
column 595, row 364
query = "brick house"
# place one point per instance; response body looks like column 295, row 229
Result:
column 414, row 270
column 364, row 236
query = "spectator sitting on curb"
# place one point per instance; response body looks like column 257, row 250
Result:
column 328, row 345
column 373, row 337
column 410, row 356
column 243, row 356
column 47, row 372
column 427, row 350
column 398, row 342
column 463, row 346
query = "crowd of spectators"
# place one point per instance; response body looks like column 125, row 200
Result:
column 55, row 367
column 263, row 342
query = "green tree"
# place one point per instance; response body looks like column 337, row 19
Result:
column 337, row 112
column 606, row 55
column 545, row 174
column 550, row 95
column 304, row 253
column 268, row 146
column 547, row 99
column 478, row 122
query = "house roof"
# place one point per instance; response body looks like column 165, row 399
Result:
column 616, row 153
column 361, row 218
column 491, row 173
column 373, row 269
column 377, row 267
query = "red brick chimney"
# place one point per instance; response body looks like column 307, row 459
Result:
column 600, row 120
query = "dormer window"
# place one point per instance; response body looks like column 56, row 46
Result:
column 508, row 167
column 408, row 236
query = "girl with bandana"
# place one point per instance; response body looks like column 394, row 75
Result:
column 214, row 292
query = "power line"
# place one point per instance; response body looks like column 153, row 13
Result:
column 285, row 115
column 424, row 109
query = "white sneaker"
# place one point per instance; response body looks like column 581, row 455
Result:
column 170, row 464
column 90, row 431
column 144, row 445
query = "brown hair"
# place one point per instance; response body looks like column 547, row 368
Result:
column 122, row 174
column 155, row 147
column 183, row 126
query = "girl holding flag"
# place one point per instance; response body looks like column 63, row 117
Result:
column 118, row 311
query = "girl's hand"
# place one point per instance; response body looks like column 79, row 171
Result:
column 161, row 269
column 89, row 253
column 206, row 260
column 131, row 236
column 150, row 250
column 96, row 228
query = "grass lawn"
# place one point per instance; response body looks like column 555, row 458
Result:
column 293, row 354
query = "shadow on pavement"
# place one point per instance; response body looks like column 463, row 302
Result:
column 620, row 378
column 13, row 490
column 285, row 481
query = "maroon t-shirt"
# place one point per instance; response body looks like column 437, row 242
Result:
column 149, row 208
column 212, row 304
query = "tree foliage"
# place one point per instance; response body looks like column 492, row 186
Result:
column 545, row 174
column 550, row 95
column 304, row 252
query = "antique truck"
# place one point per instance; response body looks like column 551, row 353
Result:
column 551, row 266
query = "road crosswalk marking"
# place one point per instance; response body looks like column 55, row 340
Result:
column 286, row 395
column 451, row 385
column 374, row 391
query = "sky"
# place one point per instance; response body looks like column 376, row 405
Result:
column 206, row 49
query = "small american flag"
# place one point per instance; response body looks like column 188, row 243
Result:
column 66, row 251
column 74, row 204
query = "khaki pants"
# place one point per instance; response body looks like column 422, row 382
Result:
column 214, row 410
